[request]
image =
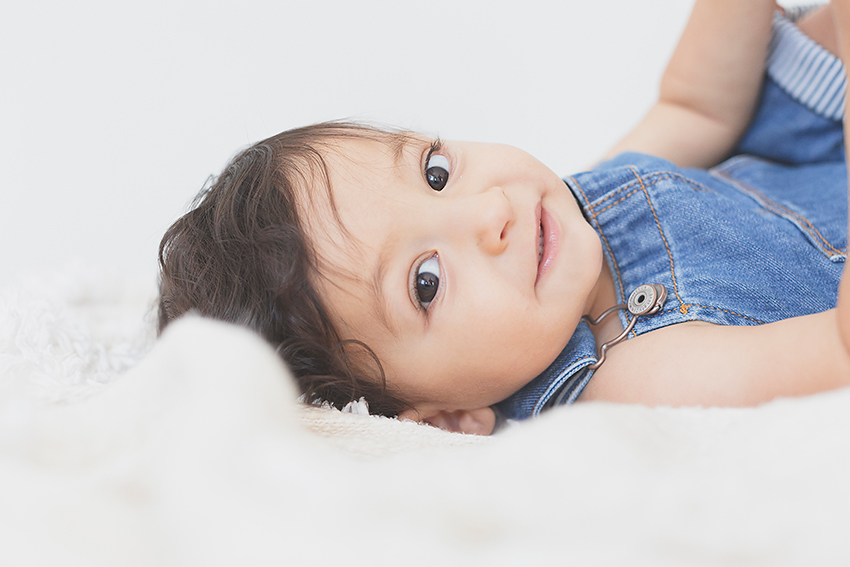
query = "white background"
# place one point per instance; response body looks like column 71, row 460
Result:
column 113, row 114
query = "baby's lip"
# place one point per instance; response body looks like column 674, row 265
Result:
column 548, row 228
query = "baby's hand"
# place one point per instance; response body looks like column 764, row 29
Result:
column 710, row 87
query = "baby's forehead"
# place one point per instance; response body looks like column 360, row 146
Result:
column 334, row 156
column 358, row 169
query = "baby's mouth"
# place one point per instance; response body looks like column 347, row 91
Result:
column 547, row 243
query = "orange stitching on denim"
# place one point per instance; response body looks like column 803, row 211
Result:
column 663, row 238
column 730, row 313
column 769, row 203
column 819, row 241
column 614, row 204
column 604, row 239
column 825, row 246
column 617, row 192
column 659, row 176
column 655, row 177
column 726, row 173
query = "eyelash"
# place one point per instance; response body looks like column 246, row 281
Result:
column 435, row 148
column 437, row 181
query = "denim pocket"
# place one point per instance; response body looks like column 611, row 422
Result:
column 813, row 197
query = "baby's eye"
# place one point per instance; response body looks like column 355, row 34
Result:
column 437, row 171
column 427, row 281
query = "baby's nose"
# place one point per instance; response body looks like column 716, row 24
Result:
column 490, row 217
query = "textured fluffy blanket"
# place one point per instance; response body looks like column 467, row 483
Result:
column 116, row 450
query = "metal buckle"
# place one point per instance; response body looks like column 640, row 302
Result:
column 646, row 299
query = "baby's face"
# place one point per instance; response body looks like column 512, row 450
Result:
column 437, row 265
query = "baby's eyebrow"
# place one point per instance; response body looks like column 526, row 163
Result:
column 383, row 308
column 398, row 145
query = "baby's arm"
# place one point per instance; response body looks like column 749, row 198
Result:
column 710, row 87
column 696, row 363
column 841, row 15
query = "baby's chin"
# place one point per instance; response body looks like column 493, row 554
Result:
column 533, row 367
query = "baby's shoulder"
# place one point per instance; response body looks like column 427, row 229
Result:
column 701, row 364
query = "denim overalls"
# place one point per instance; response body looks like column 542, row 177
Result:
column 759, row 238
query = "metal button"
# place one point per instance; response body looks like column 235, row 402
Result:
column 647, row 299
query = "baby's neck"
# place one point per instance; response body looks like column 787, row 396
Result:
column 604, row 296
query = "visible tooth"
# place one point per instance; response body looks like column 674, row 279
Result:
column 540, row 248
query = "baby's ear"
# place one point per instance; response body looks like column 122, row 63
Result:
column 479, row 421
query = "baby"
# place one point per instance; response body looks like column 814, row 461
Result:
column 454, row 283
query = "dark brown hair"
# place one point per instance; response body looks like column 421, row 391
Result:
column 241, row 254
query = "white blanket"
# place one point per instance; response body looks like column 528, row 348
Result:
column 199, row 455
